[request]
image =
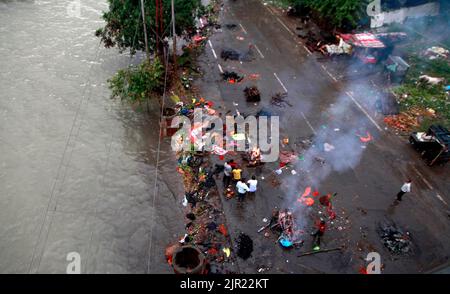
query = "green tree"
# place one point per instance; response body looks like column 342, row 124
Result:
column 124, row 27
column 137, row 84
column 339, row 12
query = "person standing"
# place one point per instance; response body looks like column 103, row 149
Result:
column 237, row 174
column 318, row 234
column 242, row 189
column 252, row 185
column 227, row 174
column 406, row 188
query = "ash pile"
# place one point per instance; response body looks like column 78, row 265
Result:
column 395, row 240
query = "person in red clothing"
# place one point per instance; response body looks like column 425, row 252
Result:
column 233, row 164
column 321, row 227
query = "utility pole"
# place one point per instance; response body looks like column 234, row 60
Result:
column 145, row 29
column 174, row 38
column 157, row 25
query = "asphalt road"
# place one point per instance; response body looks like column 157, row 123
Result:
column 365, row 176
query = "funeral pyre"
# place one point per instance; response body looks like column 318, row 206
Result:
column 395, row 240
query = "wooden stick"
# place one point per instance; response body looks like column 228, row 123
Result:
column 319, row 251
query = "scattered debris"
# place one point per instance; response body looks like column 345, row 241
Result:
column 279, row 99
column 227, row 251
column 366, row 139
column 397, row 241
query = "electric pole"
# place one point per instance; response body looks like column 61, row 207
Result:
column 174, row 38
column 145, row 29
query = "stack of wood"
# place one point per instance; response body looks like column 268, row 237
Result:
column 252, row 94
column 408, row 120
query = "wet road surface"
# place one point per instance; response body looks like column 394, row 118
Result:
column 366, row 187
column 77, row 168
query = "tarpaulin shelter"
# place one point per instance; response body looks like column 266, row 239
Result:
column 367, row 46
column 365, row 40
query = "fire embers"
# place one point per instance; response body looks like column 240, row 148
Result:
column 395, row 240
column 232, row 77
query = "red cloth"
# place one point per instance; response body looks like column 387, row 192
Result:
column 321, row 227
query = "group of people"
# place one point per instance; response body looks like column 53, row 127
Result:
column 233, row 174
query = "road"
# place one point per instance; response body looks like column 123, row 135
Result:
column 365, row 176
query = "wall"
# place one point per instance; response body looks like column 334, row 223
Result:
column 400, row 15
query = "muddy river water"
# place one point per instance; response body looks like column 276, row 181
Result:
column 77, row 169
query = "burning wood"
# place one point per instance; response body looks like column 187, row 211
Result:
column 232, row 77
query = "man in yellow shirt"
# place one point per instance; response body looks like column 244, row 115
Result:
column 237, row 174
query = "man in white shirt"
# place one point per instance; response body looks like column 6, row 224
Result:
column 252, row 185
column 242, row 189
column 227, row 174
column 406, row 188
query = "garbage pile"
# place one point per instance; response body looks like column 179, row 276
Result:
column 252, row 94
column 395, row 239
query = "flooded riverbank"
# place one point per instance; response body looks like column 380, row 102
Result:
column 77, row 168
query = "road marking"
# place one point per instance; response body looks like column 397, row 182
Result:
column 242, row 27
column 270, row 10
column 326, row 70
column 212, row 49
column 220, row 68
column 364, row 111
column 285, row 26
column 422, row 177
column 281, row 83
column 438, row 196
column 259, row 51
column 306, row 48
column 308, row 123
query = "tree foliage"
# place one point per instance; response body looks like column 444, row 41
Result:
column 124, row 27
column 338, row 12
column 138, row 83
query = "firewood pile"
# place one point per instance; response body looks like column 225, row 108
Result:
column 408, row 120
column 252, row 94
